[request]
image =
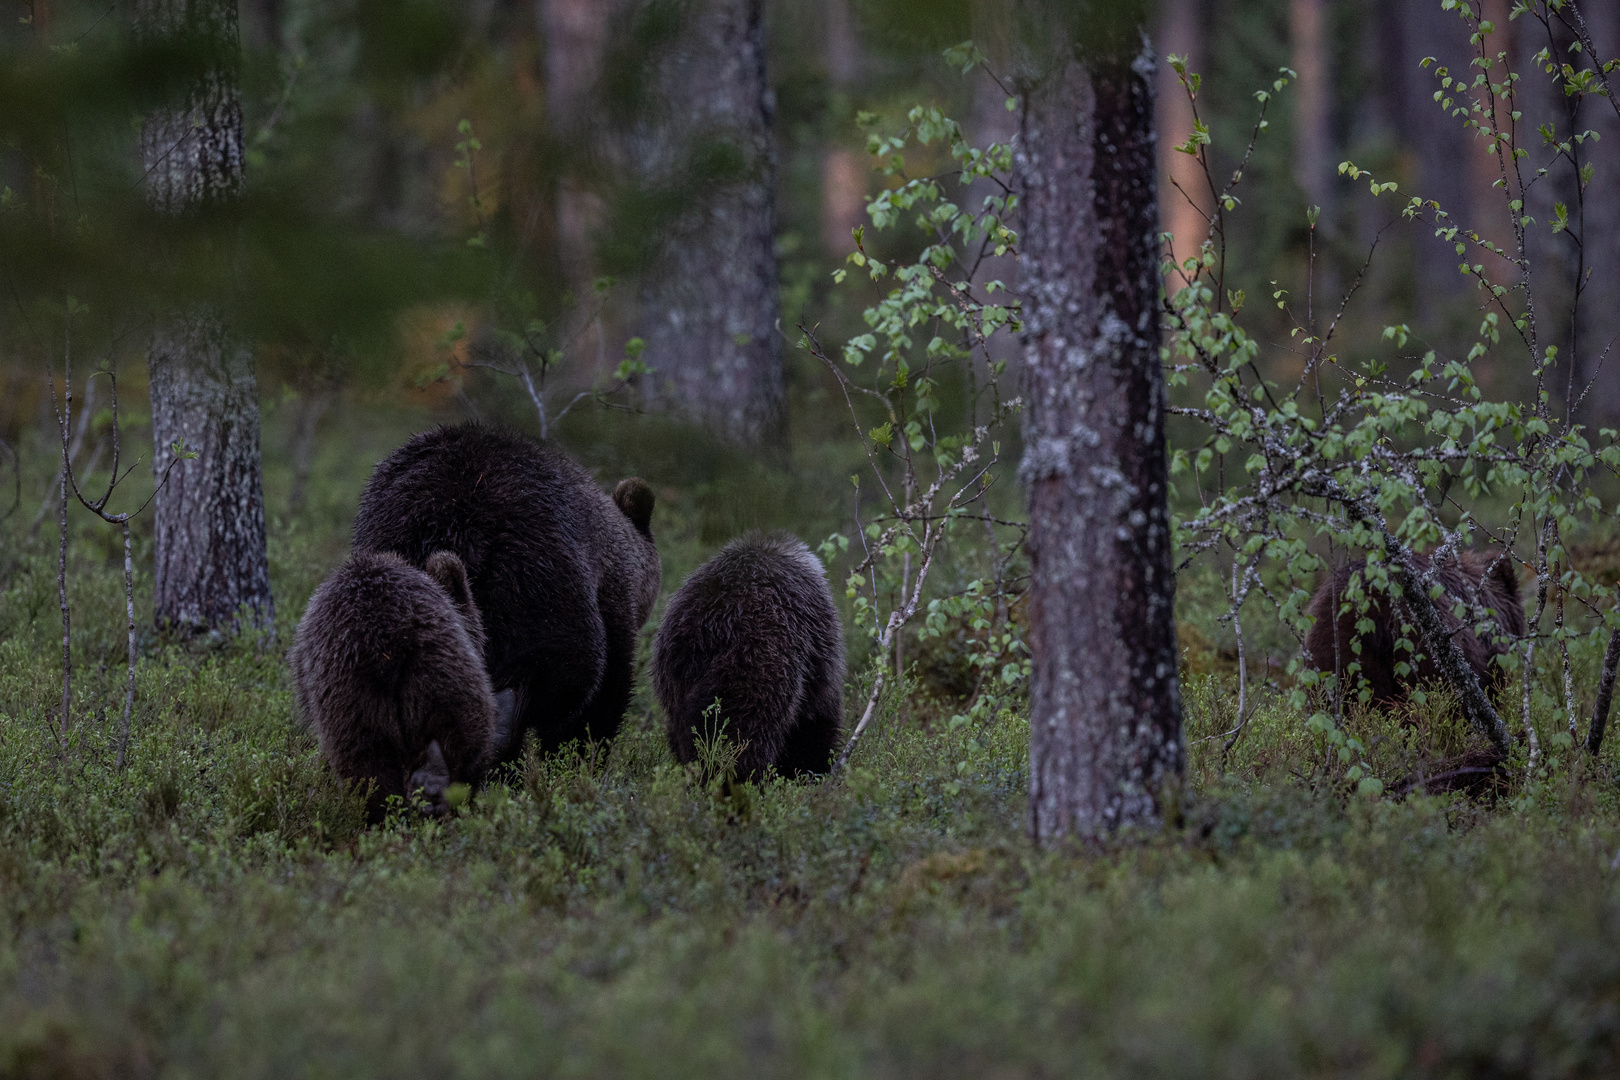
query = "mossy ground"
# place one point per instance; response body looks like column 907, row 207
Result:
column 217, row 908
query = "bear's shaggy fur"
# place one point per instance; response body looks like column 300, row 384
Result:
column 1486, row 576
column 755, row 627
column 388, row 667
column 564, row 576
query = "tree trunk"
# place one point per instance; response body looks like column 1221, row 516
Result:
column 1488, row 204
column 261, row 25
column 1436, row 146
column 210, row 544
column 1313, row 168
column 844, row 170
column 1105, row 706
column 1584, row 253
column 1600, row 305
column 1605, row 695
column 576, row 34
column 312, row 405
column 1183, row 191
column 992, row 122
column 709, row 300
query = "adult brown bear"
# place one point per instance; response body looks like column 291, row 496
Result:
column 755, row 627
column 388, row 669
column 563, row 575
column 1485, row 577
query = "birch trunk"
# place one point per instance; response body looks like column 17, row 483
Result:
column 1105, row 706
column 211, row 559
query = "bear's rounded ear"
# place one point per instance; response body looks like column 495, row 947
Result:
column 1506, row 573
column 635, row 497
column 446, row 568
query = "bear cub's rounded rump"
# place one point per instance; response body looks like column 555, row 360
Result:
column 388, row 668
column 755, row 627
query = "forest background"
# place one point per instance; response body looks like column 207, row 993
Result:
column 467, row 211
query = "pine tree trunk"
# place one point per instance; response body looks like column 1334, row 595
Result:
column 844, row 169
column 1438, row 144
column 1308, row 31
column 211, row 557
column 576, row 34
column 1183, row 192
column 709, row 302
column 1105, row 706
column 312, row 405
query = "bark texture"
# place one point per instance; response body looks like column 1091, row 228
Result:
column 210, row 550
column 191, row 152
column 709, row 301
column 1105, row 706
column 210, row 544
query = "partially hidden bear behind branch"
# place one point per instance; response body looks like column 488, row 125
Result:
column 1486, row 581
column 754, row 627
column 564, row 575
column 388, row 668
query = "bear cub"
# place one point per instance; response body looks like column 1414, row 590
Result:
column 755, row 627
column 388, row 666
column 563, row 574
column 1486, row 576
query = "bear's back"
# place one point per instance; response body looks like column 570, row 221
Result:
column 524, row 520
column 474, row 491
column 762, row 585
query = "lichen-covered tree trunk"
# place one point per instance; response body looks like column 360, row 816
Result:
column 210, row 545
column 1105, row 707
column 709, row 301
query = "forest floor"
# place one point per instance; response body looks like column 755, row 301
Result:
column 217, row 907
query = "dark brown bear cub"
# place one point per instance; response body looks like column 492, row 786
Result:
column 388, row 667
column 564, row 575
column 755, row 627
column 1486, row 576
